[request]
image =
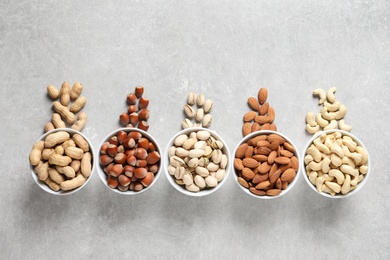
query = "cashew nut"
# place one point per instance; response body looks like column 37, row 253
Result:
column 332, row 125
column 327, row 115
column 332, row 107
column 313, row 151
column 349, row 170
column 319, row 182
column 322, row 122
column 341, row 112
column 313, row 177
column 310, row 119
column 328, row 190
column 346, row 187
column 335, row 148
column 350, row 144
column 308, row 159
column 315, row 166
column 312, row 130
column 338, row 175
column 344, row 126
column 326, row 165
column 321, row 94
column 320, row 146
column 363, row 169
column 364, row 154
column 330, row 95
column 348, row 161
column 336, row 161
column 333, row 186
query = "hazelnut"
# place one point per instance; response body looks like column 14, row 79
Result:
column 151, row 147
column 116, row 170
column 139, row 91
column 129, row 143
column 153, row 168
column 104, row 147
column 143, row 143
column 121, row 136
column 138, row 186
column 129, row 170
column 120, row 158
column 112, row 182
column 122, row 188
column 133, row 118
column 140, row 153
column 148, row 179
column 153, row 157
column 140, row 173
column 143, row 103
column 112, row 150
column 107, row 169
column 143, row 125
column 124, row 180
column 135, row 135
column 131, row 99
column 105, row 159
column 141, row 163
column 113, row 140
column 144, row 114
column 131, row 160
column 132, row 109
column 124, row 118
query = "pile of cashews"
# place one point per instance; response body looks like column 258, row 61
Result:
column 331, row 114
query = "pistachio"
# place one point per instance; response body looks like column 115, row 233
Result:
column 200, row 100
column 191, row 98
column 203, row 135
column 199, row 114
column 208, row 104
column 199, row 181
column 207, row 119
column 189, row 111
column 186, row 123
column 211, row 181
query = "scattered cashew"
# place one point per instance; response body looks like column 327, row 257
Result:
column 332, row 125
column 321, row 94
column 312, row 130
column 310, row 119
column 332, row 107
column 330, row 94
column 321, row 121
column 341, row 112
column 326, row 114
column 344, row 126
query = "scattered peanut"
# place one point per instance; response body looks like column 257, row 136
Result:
column 197, row 161
column 65, row 94
column 76, row 90
column 58, row 157
column 341, row 161
column 266, row 164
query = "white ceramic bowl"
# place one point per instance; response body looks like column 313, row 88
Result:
column 171, row 179
column 337, row 196
column 266, row 132
column 103, row 175
column 43, row 185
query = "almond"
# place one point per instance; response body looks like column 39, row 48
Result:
column 276, row 137
column 256, row 139
column 264, row 109
column 274, row 168
column 284, row 185
column 262, row 119
column 260, row 157
column 246, row 129
column 249, row 116
column 266, row 126
column 289, row 147
column 274, row 176
column 255, row 127
column 282, row 160
column 238, row 164
column 263, row 150
column 284, row 167
column 288, row 175
column 272, row 157
column 257, row 192
column 274, row 145
column 262, row 95
column 243, row 182
column 273, row 192
column 247, row 174
column 249, row 152
column 240, row 152
column 271, row 114
column 264, row 168
column 278, row 184
column 273, row 127
column 250, row 163
column 263, row 143
column 254, row 105
column 259, row 178
column 286, row 153
column 294, row 163
column 262, row 185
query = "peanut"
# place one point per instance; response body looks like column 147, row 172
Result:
column 43, row 171
column 86, row 166
column 74, row 183
column 56, row 138
column 342, row 160
column 74, row 152
column 68, row 171
column 60, row 160
column 57, row 121
column 48, row 127
column 76, row 90
column 64, row 94
column 81, row 142
column 64, row 112
column 36, row 152
column 53, row 92
column 52, row 184
column 78, row 104
column 56, row 176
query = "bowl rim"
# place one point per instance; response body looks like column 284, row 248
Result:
column 102, row 174
column 43, row 185
column 358, row 141
column 267, row 132
column 171, row 180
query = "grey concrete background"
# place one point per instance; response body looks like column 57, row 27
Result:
column 226, row 50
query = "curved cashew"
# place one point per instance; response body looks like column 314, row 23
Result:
column 313, row 177
column 327, row 115
column 332, row 125
column 330, row 94
column 354, row 180
column 308, row 159
column 332, row 107
column 356, row 157
column 327, row 177
column 335, row 148
column 336, row 161
column 320, row 146
column 315, row 166
column 341, row 112
column 326, row 165
column 348, row 161
column 350, row 144
column 319, row 182
column 312, row 130
column 313, row 151
column 328, row 190
column 364, row 154
column 344, row 126
column 338, row 175
column 363, row 169
column 322, row 122
column 333, row 186
column 346, row 185
column 349, row 170
column 310, row 119
column 321, row 94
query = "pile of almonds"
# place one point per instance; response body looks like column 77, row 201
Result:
column 331, row 114
column 66, row 94
column 262, row 115
column 130, row 161
column 266, row 164
column 137, row 115
column 201, row 115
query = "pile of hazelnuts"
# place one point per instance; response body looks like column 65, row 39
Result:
column 137, row 113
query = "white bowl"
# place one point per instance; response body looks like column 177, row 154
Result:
column 103, row 175
column 43, row 185
column 171, row 179
column 337, row 196
column 266, row 132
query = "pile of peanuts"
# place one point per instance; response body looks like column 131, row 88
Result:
column 137, row 115
column 335, row 163
column 262, row 114
column 61, row 161
column 331, row 114
column 201, row 115
column 197, row 161
column 130, row 161
column 266, row 164
column 66, row 94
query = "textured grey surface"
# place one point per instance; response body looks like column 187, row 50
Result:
column 226, row 50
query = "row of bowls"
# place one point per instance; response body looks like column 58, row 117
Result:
column 165, row 162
